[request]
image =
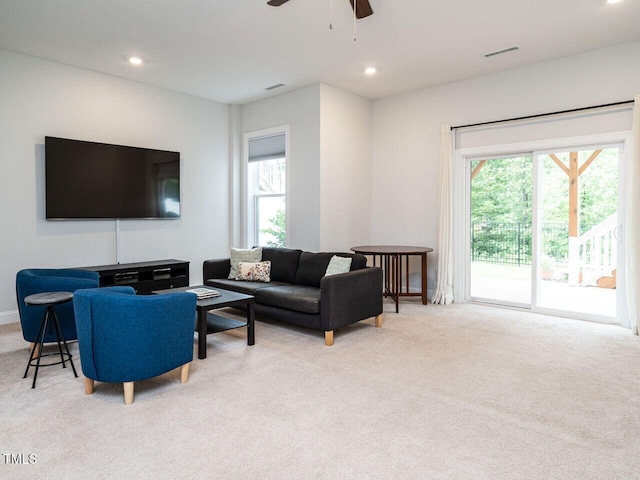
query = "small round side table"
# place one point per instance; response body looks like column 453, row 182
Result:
column 50, row 321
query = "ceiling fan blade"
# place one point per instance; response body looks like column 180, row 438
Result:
column 276, row 3
column 362, row 7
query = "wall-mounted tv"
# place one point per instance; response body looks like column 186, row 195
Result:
column 89, row 180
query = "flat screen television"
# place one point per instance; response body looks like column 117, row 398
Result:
column 89, row 180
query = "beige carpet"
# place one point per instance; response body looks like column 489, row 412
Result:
column 456, row 392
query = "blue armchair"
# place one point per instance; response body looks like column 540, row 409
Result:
column 40, row 280
column 125, row 337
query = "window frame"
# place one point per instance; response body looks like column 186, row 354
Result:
column 249, row 218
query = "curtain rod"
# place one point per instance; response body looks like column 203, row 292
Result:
column 543, row 114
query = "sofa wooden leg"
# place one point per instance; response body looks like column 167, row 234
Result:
column 89, row 385
column 128, row 393
column 328, row 338
column 378, row 321
column 184, row 373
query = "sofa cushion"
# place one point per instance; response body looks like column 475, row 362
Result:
column 240, row 286
column 313, row 266
column 284, row 263
column 290, row 297
column 358, row 261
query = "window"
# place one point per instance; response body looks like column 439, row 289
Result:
column 267, row 190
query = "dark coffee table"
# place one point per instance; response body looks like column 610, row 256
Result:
column 207, row 322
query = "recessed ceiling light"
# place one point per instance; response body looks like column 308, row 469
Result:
column 135, row 60
column 370, row 70
column 614, row 1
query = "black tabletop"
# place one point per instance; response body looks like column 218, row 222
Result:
column 48, row 298
column 225, row 297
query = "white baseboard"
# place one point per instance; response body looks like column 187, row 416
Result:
column 11, row 316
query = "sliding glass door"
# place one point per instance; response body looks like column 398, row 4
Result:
column 544, row 230
column 501, row 194
column 579, row 230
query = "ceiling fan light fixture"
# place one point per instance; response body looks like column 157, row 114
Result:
column 361, row 8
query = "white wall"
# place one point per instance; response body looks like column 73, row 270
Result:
column 327, row 159
column 406, row 130
column 300, row 110
column 40, row 98
column 329, row 164
column 345, row 170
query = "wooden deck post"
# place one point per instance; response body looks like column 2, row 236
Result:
column 574, row 171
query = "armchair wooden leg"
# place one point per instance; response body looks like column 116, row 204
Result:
column 184, row 373
column 328, row 338
column 128, row 393
column 36, row 352
column 88, row 386
column 378, row 321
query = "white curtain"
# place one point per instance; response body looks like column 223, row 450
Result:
column 632, row 234
column 443, row 293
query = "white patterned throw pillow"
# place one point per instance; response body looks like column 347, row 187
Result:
column 254, row 272
column 243, row 255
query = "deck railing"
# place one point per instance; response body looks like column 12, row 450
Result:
column 510, row 243
column 593, row 253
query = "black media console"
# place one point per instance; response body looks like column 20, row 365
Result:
column 144, row 276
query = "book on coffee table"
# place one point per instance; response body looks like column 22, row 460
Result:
column 204, row 292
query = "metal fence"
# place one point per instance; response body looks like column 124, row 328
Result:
column 510, row 243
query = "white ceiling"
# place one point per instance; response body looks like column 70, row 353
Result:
column 231, row 50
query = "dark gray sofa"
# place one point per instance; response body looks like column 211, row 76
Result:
column 301, row 294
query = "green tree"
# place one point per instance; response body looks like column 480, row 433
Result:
column 277, row 230
column 502, row 191
column 598, row 188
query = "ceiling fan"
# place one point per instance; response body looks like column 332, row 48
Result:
column 361, row 8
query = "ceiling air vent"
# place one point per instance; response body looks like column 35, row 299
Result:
column 273, row 87
column 500, row 52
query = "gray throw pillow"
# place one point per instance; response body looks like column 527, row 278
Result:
column 252, row 255
column 338, row 265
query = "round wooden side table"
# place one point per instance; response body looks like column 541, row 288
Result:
column 391, row 263
column 50, row 322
